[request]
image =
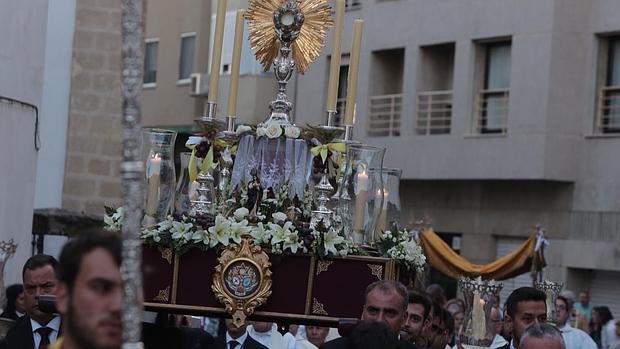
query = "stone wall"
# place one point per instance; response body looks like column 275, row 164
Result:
column 92, row 176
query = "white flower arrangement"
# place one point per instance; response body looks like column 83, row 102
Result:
column 113, row 219
column 274, row 130
column 398, row 245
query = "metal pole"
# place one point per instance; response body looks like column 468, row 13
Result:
column 132, row 170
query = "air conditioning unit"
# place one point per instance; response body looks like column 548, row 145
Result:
column 199, row 85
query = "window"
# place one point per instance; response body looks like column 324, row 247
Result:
column 150, row 62
column 608, row 109
column 186, row 60
column 385, row 92
column 492, row 98
column 343, row 75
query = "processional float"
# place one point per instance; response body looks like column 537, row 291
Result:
column 271, row 221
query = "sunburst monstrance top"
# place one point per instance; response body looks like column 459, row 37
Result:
column 306, row 48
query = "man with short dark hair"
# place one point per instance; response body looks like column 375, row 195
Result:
column 573, row 338
column 386, row 301
column 36, row 329
column 442, row 330
column 542, row 336
column 90, row 291
column 418, row 318
column 237, row 338
column 526, row 306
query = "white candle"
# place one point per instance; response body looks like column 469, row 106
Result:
column 334, row 67
column 234, row 66
column 153, row 185
column 353, row 72
column 360, row 201
column 216, row 57
column 479, row 323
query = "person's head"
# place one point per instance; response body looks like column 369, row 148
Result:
column 454, row 306
column 562, row 310
column 442, row 329
column 603, row 313
column 90, row 291
column 569, row 296
column 316, row 335
column 542, row 336
column 15, row 299
column 418, row 315
column 436, row 293
column 372, row 335
column 584, row 298
column 497, row 320
column 386, row 301
column 506, row 331
column 459, row 319
column 525, row 307
column 234, row 331
column 432, row 330
column 261, row 326
column 39, row 274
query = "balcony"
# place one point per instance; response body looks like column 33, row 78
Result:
column 608, row 110
column 384, row 116
column 492, row 111
column 434, row 112
column 352, row 5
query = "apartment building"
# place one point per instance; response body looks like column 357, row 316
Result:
column 503, row 115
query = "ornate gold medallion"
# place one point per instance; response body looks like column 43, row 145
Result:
column 306, row 48
column 242, row 279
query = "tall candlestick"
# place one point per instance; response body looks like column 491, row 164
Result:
column 382, row 225
column 353, row 72
column 361, row 196
column 216, row 57
column 234, row 67
column 334, row 67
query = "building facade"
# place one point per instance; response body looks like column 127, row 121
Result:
column 502, row 115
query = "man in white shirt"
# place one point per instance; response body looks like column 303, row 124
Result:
column 266, row 333
column 573, row 338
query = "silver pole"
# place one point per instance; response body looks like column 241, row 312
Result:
column 132, row 12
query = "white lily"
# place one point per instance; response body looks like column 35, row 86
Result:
column 238, row 229
column 201, row 236
column 241, row 213
column 330, row 240
column 220, row 232
column 278, row 217
column 181, row 230
column 260, row 234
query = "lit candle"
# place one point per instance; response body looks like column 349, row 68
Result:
column 334, row 67
column 361, row 196
column 353, row 72
column 216, row 57
column 234, row 67
column 382, row 225
column 153, row 185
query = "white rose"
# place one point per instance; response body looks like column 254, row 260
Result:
column 241, row 129
column 241, row 213
column 260, row 131
column 273, row 131
column 292, row 132
column 279, row 217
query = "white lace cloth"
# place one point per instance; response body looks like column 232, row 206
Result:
column 276, row 160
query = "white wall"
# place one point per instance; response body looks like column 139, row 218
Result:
column 23, row 26
column 55, row 105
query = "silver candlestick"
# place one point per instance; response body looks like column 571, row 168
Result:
column 204, row 204
column 322, row 212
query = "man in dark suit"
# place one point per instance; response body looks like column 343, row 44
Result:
column 36, row 329
column 526, row 306
column 386, row 301
column 237, row 338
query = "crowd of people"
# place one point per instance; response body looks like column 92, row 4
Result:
column 86, row 314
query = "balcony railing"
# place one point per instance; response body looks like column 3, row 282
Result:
column 492, row 111
column 384, row 117
column 434, row 115
column 608, row 110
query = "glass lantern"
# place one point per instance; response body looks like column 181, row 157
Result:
column 359, row 204
column 390, row 212
column 158, row 155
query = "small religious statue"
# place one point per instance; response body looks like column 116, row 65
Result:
column 255, row 195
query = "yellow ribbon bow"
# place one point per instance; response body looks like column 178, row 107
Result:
column 207, row 162
column 322, row 149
